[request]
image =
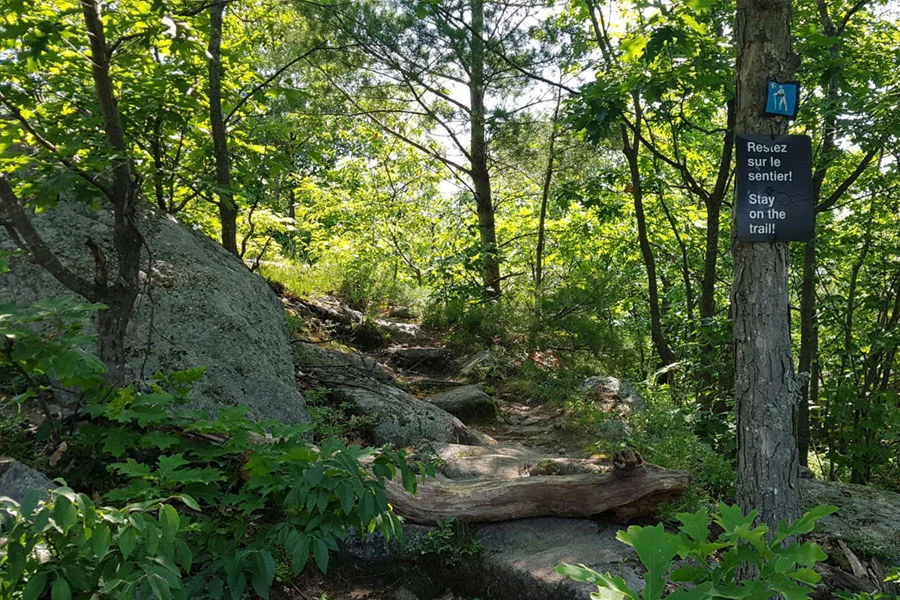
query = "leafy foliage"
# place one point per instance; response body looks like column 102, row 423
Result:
column 254, row 494
column 716, row 568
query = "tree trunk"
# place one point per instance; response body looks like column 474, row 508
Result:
column 766, row 392
column 629, row 494
column 124, row 195
column 809, row 345
column 631, row 150
column 227, row 207
column 481, row 180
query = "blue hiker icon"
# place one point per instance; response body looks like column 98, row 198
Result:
column 782, row 98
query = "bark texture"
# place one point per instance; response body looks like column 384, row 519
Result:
column 630, row 494
column 481, row 180
column 227, row 208
column 766, row 391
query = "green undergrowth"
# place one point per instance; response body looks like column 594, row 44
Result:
column 717, row 567
column 171, row 503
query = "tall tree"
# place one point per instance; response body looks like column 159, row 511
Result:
column 766, row 390
column 117, row 290
column 447, row 65
column 228, row 210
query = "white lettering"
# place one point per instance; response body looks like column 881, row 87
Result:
column 763, row 200
column 757, row 147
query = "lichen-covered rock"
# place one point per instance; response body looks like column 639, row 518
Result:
column 609, row 390
column 421, row 359
column 17, row 480
column 199, row 306
column 329, row 365
column 403, row 420
column 867, row 520
column 469, row 403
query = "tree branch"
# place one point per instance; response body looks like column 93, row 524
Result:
column 19, row 226
column 47, row 144
column 832, row 199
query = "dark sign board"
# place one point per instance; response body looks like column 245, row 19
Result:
column 774, row 188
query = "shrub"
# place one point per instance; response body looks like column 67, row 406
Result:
column 258, row 494
column 715, row 568
column 75, row 549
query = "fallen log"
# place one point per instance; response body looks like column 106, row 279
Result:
column 629, row 493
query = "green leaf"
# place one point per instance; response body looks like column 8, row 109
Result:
column 300, row 555
column 656, row 549
column 807, row 522
column 345, row 495
column 35, row 586
column 169, row 520
column 132, row 468
column 127, row 541
column 695, row 525
column 188, row 501
column 100, row 540
column 610, row 587
column 29, row 503
column 64, row 513
column 60, row 590
column 264, row 574
column 320, row 554
column 808, row 576
column 160, row 586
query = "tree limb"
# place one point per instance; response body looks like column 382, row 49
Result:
column 19, row 226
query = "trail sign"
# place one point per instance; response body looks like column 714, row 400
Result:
column 782, row 98
column 774, row 188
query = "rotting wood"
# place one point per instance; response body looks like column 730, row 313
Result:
column 629, row 494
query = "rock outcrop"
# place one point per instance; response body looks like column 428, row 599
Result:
column 469, row 403
column 17, row 480
column 199, row 306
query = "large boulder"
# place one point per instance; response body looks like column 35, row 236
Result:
column 199, row 306
column 403, row 420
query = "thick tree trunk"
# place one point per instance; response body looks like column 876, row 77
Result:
column 481, row 180
column 228, row 211
column 766, row 391
column 629, row 494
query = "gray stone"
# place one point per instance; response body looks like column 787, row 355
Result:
column 605, row 389
column 421, row 359
column 478, row 365
column 403, row 420
column 612, row 430
column 329, row 365
column 867, row 520
column 469, row 403
column 17, row 479
column 400, row 333
column 519, row 559
column 199, row 306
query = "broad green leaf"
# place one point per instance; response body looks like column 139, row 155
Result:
column 320, row 554
column 127, row 541
column 169, row 521
column 656, row 549
column 35, row 587
column 60, row 590
column 100, row 540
